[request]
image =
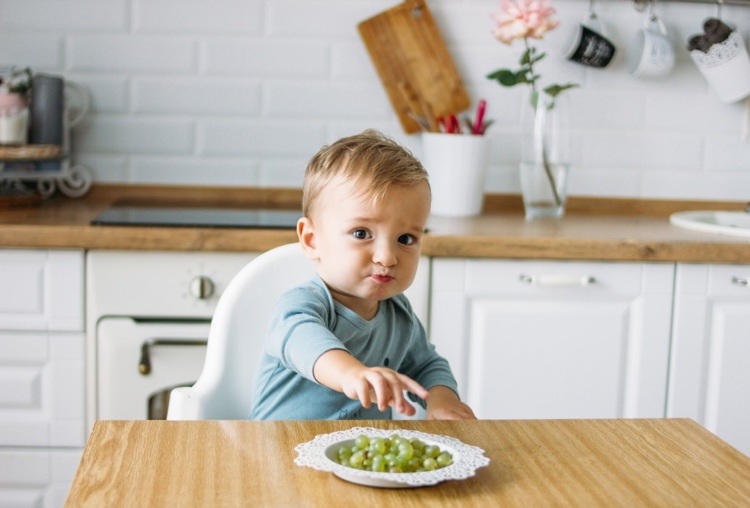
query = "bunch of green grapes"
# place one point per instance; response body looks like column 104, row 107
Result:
column 394, row 454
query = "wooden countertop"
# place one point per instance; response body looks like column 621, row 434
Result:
column 593, row 229
column 648, row 462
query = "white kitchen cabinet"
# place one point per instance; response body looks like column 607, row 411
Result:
column 41, row 290
column 709, row 379
column 42, row 426
column 537, row 339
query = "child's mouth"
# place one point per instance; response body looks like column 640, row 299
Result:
column 382, row 278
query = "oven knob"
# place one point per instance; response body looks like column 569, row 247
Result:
column 202, row 287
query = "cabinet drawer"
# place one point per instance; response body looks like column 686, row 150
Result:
column 729, row 280
column 41, row 389
column 42, row 290
column 536, row 279
column 33, row 478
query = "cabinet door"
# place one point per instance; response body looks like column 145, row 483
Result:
column 35, row 478
column 41, row 389
column 41, row 290
column 534, row 339
column 709, row 379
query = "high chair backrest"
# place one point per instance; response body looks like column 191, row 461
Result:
column 235, row 339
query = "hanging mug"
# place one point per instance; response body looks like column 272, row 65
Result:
column 588, row 44
column 726, row 67
column 651, row 54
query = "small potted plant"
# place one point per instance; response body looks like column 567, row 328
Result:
column 15, row 86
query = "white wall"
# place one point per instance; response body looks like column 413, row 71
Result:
column 243, row 92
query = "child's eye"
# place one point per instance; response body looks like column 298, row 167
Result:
column 407, row 239
column 361, row 234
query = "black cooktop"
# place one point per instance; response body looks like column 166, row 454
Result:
column 198, row 217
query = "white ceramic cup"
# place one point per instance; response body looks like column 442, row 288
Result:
column 456, row 164
column 77, row 101
column 651, row 54
column 726, row 67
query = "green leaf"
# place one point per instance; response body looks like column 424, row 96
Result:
column 538, row 57
column 526, row 57
column 505, row 77
column 555, row 90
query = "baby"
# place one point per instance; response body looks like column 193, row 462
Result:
column 347, row 344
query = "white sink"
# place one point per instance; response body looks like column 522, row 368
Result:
column 720, row 222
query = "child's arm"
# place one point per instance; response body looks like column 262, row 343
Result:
column 444, row 404
column 340, row 371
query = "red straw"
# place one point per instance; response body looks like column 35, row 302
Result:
column 477, row 129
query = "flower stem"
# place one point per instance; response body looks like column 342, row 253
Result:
column 551, row 178
column 536, row 104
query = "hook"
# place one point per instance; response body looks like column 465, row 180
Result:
column 592, row 14
column 719, row 5
column 639, row 5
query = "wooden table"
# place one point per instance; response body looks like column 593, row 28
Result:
column 659, row 462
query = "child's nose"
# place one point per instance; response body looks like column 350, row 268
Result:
column 384, row 254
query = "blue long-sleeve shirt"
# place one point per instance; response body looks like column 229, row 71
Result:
column 307, row 323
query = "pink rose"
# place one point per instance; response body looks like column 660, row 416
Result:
column 519, row 19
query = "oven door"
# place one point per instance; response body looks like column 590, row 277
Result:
column 139, row 361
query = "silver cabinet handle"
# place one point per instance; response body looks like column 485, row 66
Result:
column 739, row 281
column 557, row 280
column 144, row 366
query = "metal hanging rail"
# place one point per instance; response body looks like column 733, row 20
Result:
column 718, row 3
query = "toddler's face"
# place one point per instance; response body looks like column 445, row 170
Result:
column 364, row 251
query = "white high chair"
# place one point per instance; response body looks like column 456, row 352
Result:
column 235, row 339
column 224, row 389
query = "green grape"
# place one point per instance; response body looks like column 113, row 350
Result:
column 417, row 444
column 362, row 442
column 377, row 447
column 431, row 451
column 444, row 459
column 414, row 464
column 429, row 464
column 405, row 450
column 378, row 463
column 357, row 459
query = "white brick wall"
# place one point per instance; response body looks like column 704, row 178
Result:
column 243, row 92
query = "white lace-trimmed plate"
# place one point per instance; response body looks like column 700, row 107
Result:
column 321, row 453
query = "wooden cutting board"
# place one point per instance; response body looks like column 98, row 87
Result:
column 413, row 63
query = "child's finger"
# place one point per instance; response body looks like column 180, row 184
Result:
column 412, row 386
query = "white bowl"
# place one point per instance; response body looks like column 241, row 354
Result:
column 321, row 453
column 716, row 221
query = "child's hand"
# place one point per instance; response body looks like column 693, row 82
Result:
column 340, row 371
column 443, row 404
column 383, row 386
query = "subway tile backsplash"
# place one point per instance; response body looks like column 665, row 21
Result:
column 243, row 92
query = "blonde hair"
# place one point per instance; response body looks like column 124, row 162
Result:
column 373, row 161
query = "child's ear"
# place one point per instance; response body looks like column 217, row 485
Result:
column 306, row 234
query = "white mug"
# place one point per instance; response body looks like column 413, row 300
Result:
column 651, row 55
column 726, row 67
column 77, row 103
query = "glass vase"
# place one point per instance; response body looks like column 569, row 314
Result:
column 545, row 156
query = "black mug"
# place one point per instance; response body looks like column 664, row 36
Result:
column 590, row 47
column 47, row 110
